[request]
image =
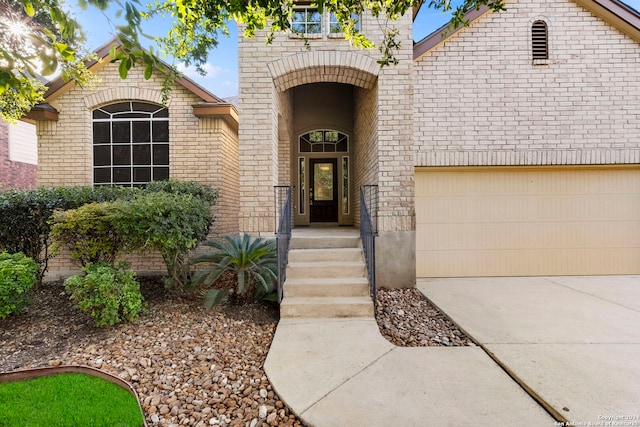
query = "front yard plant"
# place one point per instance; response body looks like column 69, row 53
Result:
column 67, row 400
column 26, row 222
column 110, row 294
column 171, row 224
column 25, row 216
column 18, row 274
column 252, row 261
column 89, row 233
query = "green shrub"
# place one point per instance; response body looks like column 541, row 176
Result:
column 25, row 216
column 171, row 224
column 88, row 232
column 253, row 261
column 110, row 294
column 18, row 274
column 201, row 191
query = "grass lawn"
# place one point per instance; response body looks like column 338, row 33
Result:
column 67, row 400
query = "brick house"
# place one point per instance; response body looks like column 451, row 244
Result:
column 118, row 132
column 510, row 147
column 18, row 155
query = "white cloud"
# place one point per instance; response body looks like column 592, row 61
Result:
column 211, row 70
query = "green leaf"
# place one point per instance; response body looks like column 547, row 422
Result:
column 148, row 71
column 28, row 9
column 214, row 297
column 124, row 67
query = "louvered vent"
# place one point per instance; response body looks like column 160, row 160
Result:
column 539, row 41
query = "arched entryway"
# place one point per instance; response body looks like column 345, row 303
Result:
column 327, row 139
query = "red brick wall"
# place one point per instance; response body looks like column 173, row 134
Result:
column 13, row 174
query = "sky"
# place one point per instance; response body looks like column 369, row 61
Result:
column 222, row 65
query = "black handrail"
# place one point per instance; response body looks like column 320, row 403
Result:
column 283, row 233
column 368, row 232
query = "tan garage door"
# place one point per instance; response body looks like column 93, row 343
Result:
column 527, row 221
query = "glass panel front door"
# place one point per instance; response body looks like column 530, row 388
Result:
column 323, row 191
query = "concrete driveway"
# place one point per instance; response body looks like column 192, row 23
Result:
column 574, row 342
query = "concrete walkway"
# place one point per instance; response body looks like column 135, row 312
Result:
column 342, row 372
column 574, row 342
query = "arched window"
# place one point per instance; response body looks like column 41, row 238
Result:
column 324, row 141
column 539, row 40
column 130, row 144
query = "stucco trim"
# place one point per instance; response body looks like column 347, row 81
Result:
column 324, row 66
column 225, row 111
column 41, row 112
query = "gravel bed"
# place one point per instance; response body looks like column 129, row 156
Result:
column 192, row 366
column 189, row 366
column 407, row 319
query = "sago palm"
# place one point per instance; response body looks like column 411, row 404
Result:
column 253, row 261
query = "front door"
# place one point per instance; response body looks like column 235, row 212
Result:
column 323, row 191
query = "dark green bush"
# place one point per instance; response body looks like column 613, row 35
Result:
column 110, row 294
column 26, row 222
column 253, row 261
column 25, row 216
column 171, row 224
column 195, row 189
column 18, row 274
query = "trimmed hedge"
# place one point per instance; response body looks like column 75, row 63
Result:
column 25, row 216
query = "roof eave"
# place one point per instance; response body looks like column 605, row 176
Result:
column 615, row 13
column 444, row 32
column 59, row 86
column 226, row 112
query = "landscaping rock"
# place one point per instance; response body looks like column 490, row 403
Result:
column 407, row 319
column 192, row 366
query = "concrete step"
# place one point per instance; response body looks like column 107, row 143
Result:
column 328, row 287
column 326, row 307
column 315, row 255
column 321, row 270
column 324, row 242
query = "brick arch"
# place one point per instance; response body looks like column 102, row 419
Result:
column 324, row 66
column 117, row 94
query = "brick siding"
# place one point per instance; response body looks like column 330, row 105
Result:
column 201, row 149
column 481, row 101
column 384, row 104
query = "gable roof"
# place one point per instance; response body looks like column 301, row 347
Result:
column 58, row 86
column 208, row 106
column 615, row 12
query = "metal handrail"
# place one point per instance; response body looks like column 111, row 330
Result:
column 283, row 232
column 368, row 232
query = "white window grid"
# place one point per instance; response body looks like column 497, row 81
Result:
column 133, row 163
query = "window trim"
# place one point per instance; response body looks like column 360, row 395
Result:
column 306, row 24
column 325, row 24
column 306, row 138
column 143, row 112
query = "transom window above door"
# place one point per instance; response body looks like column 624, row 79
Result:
column 130, row 144
column 324, row 141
